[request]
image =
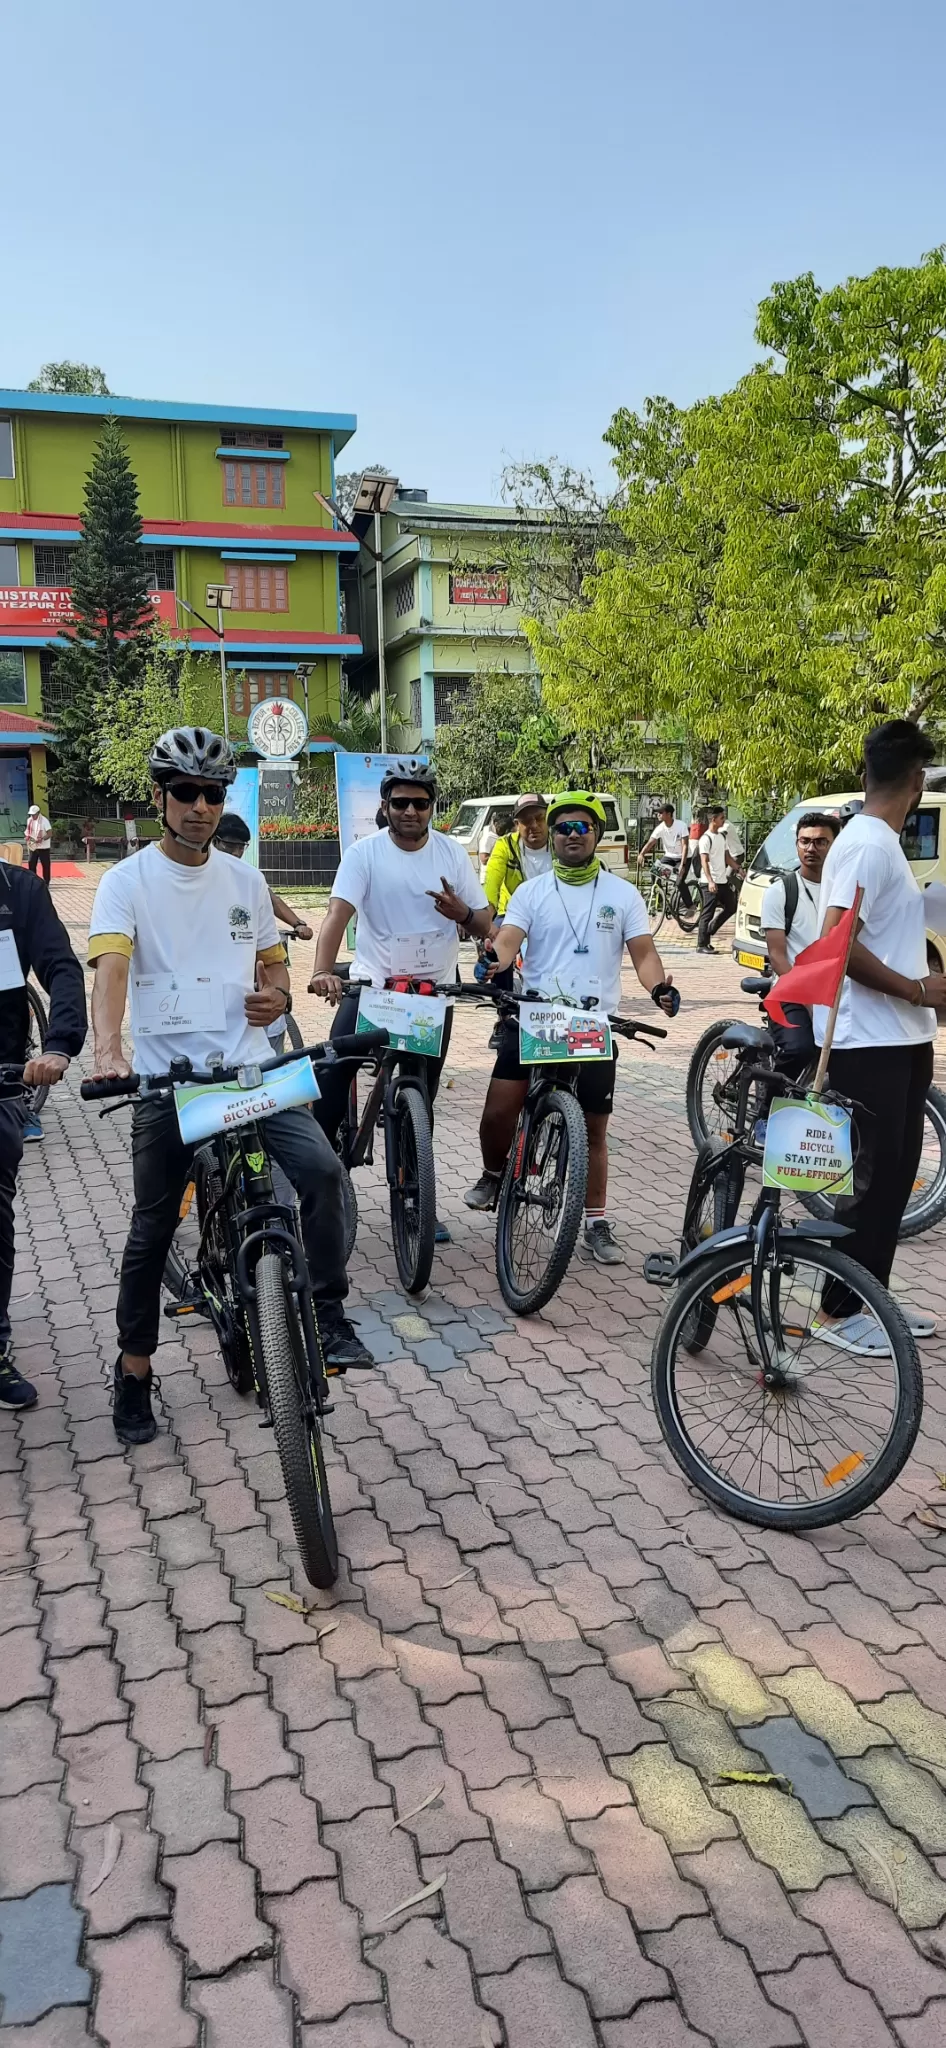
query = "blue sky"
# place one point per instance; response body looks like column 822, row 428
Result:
column 481, row 229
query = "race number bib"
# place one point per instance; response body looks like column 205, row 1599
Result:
column 422, row 954
column 11, row 973
column 414, row 1023
column 554, row 1032
column 164, row 1004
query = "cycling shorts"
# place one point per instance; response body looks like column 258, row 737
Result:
column 595, row 1077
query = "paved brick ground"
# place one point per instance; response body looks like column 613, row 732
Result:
column 542, row 1652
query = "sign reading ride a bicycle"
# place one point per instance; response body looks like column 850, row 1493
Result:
column 808, row 1148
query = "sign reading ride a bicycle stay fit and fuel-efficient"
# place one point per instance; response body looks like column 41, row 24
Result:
column 808, row 1148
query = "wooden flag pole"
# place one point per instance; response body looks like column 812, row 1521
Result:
column 829, row 1029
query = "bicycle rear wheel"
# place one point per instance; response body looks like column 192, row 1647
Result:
column 36, row 1039
column 818, row 1435
column 413, row 1192
column 295, row 1423
column 710, row 1085
column 226, row 1308
column 927, row 1203
column 656, row 905
column 687, row 919
column 712, row 1204
column 541, row 1202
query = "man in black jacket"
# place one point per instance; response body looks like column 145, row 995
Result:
column 31, row 938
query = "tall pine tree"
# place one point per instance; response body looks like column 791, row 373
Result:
column 110, row 640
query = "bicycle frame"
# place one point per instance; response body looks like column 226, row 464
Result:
column 396, row 1070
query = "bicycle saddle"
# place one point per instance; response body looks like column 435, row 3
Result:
column 757, row 984
column 746, row 1035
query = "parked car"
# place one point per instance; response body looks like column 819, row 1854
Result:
column 472, row 815
column 923, row 840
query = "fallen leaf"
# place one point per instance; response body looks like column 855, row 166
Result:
column 430, row 1800
column 209, row 1742
column 111, row 1850
column 287, row 1600
column 930, row 1519
column 19, row 1570
column 468, row 1574
column 328, row 1630
column 876, row 1857
column 427, row 1891
column 776, row 1778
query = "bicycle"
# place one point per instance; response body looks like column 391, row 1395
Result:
column 37, row 1029
column 398, row 1102
column 251, row 1279
column 664, row 899
column 712, row 1089
column 541, row 1197
column 746, row 1375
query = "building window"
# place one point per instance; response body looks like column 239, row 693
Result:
column 159, row 563
column 9, row 565
column 52, row 567
column 12, row 676
column 404, row 596
column 253, row 484
column 257, row 587
column 416, row 702
column 450, row 693
column 251, row 685
column 245, row 437
column 6, row 448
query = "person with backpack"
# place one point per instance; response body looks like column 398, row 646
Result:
column 518, row 856
column 791, row 920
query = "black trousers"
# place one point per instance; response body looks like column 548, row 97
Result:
column 716, row 909
column 42, row 858
column 890, row 1082
column 795, row 1041
column 331, row 1109
column 162, row 1166
column 12, row 1117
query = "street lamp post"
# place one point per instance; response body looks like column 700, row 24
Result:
column 374, row 495
column 221, row 595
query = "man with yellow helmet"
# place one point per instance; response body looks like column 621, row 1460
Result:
column 575, row 922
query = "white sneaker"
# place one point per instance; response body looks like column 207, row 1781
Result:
column 919, row 1322
column 861, row 1334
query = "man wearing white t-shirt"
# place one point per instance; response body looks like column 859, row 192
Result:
column 179, row 916
column 716, row 866
column 882, row 1054
column 673, row 840
column 577, row 920
column 414, row 891
column 791, row 919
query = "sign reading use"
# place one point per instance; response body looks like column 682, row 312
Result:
column 808, row 1148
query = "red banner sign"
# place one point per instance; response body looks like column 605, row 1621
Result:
column 43, row 605
column 487, row 587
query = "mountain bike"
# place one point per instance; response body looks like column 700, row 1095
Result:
column 712, row 1093
column 757, row 1403
column 251, row 1279
column 541, row 1198
column 36, row 1040
column 664, row 899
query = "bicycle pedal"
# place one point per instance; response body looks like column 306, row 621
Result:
column 660, row 1268
column 174, row 1310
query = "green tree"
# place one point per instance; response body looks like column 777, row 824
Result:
column 110, row 641
column 82, row 380
column 505, row 737
column 173, row 687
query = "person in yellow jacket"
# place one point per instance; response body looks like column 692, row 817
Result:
column 518, row 856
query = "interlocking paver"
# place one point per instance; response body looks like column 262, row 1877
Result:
column 718, row 1992
column 140, row 1998
column 39, row 1946
column 598, row 1948
column 101, row 1772
column 534, row 1996
column 430, row 1988
column 872, row 1947
column 249, row 1743
column 244, row 2007
column 637, row 1869
column 214, row 1914
column 829, row 2009
column 387, row 1715
column 671, row 1799
column 32, row 1842
column 129, row 1893
column 164, row 1714
column 320, row 1953
column 27, row 1736
column 890, row 1866
column 188, row 1803
column 911, row 1798
column 281, row 1834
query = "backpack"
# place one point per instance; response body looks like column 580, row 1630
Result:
column 790, row 881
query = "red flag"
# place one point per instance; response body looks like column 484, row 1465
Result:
column 818, row 971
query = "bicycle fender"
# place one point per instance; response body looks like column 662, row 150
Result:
column 812, row 1228
column 268, row 1240
column 738, row 1233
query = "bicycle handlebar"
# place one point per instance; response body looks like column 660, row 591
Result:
column 628, row 1027
column 361, row 1045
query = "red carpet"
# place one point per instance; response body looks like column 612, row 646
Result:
column 66, row 871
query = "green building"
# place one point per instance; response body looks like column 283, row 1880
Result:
column 449, row 608
column 227, row 496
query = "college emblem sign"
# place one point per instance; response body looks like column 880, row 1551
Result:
column 278, row 729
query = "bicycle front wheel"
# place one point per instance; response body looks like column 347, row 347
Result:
column 541, row 1202
column 293, row 1033
column 687, row 917
column 712, row 1204
column 413, row 1191
column 819, row 1432
column 36, row 1040
column 927, row 1203
column 656, row 905
column 295, row 1423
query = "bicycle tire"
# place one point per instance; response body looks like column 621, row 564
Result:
column 929, row 1207
column 560, row 1105
column 298, row 1437
column 656, row 905
column 709, row 1208
column 708, row 1046
column 36, row 1042
column 715, row 1272
column 349, row 1210
column 687, row 919
column 413, row 1193
column 293, row 1032
column 229, row 1322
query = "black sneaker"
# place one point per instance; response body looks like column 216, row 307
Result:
column 131, row 1407
column 484, row 1195
column 15, row 1391
column 441, row 1233
column 342, row 1347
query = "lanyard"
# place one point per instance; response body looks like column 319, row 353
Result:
column 580, row 945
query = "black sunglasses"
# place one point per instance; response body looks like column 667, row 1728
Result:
column 188, row 792
column 409, row 803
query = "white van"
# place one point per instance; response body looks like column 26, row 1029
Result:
column 472, row 816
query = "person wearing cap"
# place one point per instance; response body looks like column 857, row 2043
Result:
column 38, row 838
column 577, row 917
column 519, row 855
column 670, row 834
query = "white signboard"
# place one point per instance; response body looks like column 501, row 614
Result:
column 277, row 729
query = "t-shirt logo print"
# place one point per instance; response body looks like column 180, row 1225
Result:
column 606, row 917
column 240, row 922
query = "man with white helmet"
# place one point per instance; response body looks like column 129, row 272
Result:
column 172, row 912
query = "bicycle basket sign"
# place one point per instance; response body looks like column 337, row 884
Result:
column 553, row 1032
column 808, row 1148
column 223, row 1105
column 414, row 1023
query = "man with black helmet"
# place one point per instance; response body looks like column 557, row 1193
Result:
column 181, row 919
column 414, row 892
